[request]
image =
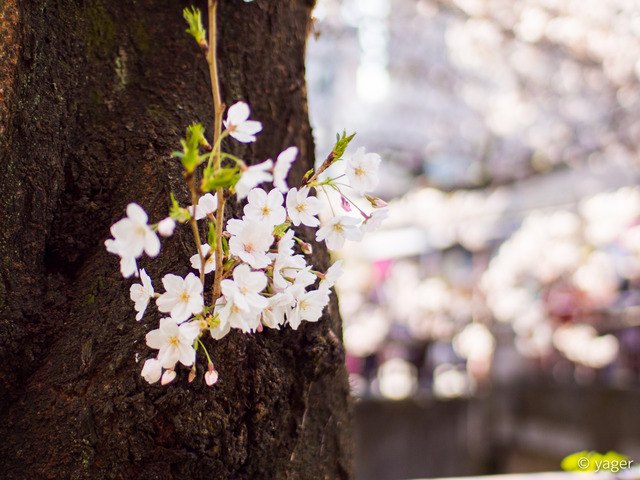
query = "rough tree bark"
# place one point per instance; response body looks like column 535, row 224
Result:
column 94, row 96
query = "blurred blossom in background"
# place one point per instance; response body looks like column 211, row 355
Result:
column 510, row 134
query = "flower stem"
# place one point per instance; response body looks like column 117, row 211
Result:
column 215, row 83
column 218, row 109
column 194, row 224
column 204, row 348
column 219, row 267
column 330, row 160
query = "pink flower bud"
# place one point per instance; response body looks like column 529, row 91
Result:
column 168, row 376
column 192, row 373
column 346, row 206
column 306, row 248
column 376, row 202
column 211, row 377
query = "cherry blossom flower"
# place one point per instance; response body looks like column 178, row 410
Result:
column 302, row 208
column 286, row 243
column 166, row 227
column 238, row 124
column 128, row 264
column 374, row 220
column 244, row 290
column 141, row 294
column 362, row 170
column 267, row 208
column 207, row 204
column 304, row 277
column 282, row 167
column 332, row 274
column 250, row 242
column 235, row 226
column 152, row 370
column 252, row 177
column 286, row 265
column 133, row 236
column 231, row 314
column 337, row 230
column 183, row 297
column 223, row 326
column 273, row 315
column 286, row 269
column 209, row 263
column 309, row 307
column 175, row 342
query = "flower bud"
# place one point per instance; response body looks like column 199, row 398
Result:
column 306, row 248
column 376, row 202
column 166, row 227
column 211, row 377
column 192, row 373
column 168, row 376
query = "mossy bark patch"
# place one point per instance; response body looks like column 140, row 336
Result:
column 101, row 35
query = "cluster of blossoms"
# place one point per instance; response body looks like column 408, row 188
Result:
column 262, row 278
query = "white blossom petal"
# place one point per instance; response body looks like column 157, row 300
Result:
column 302, row 208
column 238, row 125
column 152, row 370
column 339, row 229
column 282, row 167
column 183, row 297
column 362, row 170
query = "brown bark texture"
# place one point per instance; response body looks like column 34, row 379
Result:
column 94, row 97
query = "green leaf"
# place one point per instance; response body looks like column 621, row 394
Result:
column 612, row 457
column 280, row 230
column 570, row 463
column 308, row 175
column 228, row 264
column 341, row 144
column 592, row 461
column 190, row 155
column 195, row 136
column 194, row 18
column 225, row 247
column 211, row 239
column 174, row 202
column 223, row 178
column 178, row 213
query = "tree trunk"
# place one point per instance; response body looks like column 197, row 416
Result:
column 94, row 97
